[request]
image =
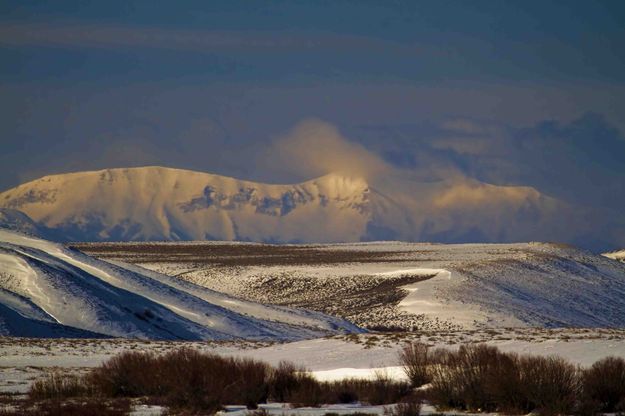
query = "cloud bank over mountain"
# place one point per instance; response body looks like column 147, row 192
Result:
column 579, row 163
column 315, row 148
column 458, row 180
column 488, row 100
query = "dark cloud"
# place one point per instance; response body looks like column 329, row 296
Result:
column 581, row 162
column 508, row 93
column 222, row 127
column 72, row 35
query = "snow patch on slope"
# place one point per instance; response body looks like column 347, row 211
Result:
column 427, row 298
column 616, row 255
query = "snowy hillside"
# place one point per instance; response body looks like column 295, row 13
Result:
column 616, row 255
column 47, row 290
column 154, row 203
column 404, row 285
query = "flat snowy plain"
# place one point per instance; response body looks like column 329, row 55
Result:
column 23, row 360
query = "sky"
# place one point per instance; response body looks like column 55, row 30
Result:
column 525, row 93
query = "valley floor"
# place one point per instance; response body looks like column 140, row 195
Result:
column 445, row 296
column 24, row 360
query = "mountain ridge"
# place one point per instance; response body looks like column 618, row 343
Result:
column 158, row 203
column 124, row 193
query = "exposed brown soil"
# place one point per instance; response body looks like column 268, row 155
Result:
column 232, row 254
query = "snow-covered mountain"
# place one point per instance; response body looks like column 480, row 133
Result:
column 47, row 290
column 154, row 203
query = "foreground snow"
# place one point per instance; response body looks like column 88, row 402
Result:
column 354, row 356
column 362, row 356
column 281, row 409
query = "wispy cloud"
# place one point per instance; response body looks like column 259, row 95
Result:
column 117, row 36
column 314, row 148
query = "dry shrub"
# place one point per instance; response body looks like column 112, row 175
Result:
column 475, row 368
column 57, row 386
column 251, row 381
column 129, row 374
column 289, row 383
column 414, row 360
column 192, row 380
column 464, row 378
column 91, row 407
column 284, row 381
column 480, row 377
column 184, row 378
column 443, row 391
column 475, row 377
column 188, row 379
column 604, row 386
column 504, row 384
column 382, row 390
column 550, row 385
column 308, row 393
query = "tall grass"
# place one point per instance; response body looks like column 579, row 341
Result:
column 415, row 360
column 58, row 386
